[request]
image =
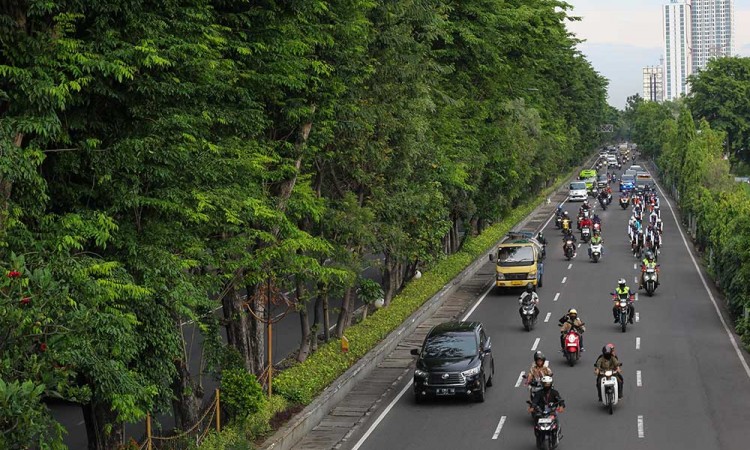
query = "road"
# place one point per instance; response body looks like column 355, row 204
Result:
column 687, row 385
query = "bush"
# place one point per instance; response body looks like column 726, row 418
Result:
column 241, row 394
column 240, row 434
column 302, row 382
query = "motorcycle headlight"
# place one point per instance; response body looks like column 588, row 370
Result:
column 420, row 373
column 471, row 372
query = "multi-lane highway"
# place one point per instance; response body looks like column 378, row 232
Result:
column 687, row 383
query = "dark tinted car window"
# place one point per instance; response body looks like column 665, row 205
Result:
column 450, row 345
column 515, row 256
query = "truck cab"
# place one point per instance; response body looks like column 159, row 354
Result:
column 519, row 260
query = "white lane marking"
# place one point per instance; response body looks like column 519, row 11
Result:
column 546, row 318
column 570, row 265
column 637, row 343
column 520, row 378
column 638, row 381
column 641, row 431
column 556, row 297
column 637, row 317
column 477, row 303
column 635, row 280
column 565, row 279
column 579, row 245
column 381, row 416
column 636, row 296
column 635, row 266
column 499, row 427
column 705, row 286
column 536, row 343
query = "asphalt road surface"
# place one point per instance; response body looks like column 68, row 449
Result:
column 687, row 385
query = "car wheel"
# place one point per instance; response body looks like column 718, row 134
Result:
column 492, row 373
column 479, row 396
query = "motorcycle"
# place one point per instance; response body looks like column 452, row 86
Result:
column 558, row 222
column 569, row 249
column 623, row 305
column 624, row 202
column 547, row 427
column 529, row 316
column 572, row 347
column 603, row 203
column 650, row 279
column 609, row 389
column 595, row 251
column 535, row 386
column 565, row 225
column 585, row 234
column 637, row 247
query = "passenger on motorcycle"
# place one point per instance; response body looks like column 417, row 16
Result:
column 648, row 263
column 568, row 321
column 538, row 370
column 586, row 223
column 547, row 396
column 608, row 361
column 623, row 291
column 529, row 295
column 565, row 221
column 596, row 239
column 638, row 242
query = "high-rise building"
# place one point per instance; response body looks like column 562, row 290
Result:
column 678, row 62
column 712, row 30
column 653, row 83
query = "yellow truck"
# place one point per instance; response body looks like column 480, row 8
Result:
column 519, row 260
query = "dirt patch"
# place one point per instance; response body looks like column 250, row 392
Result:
column 282, row 417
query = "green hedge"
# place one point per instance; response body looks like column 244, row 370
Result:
column 303, row 382
column 241, row 433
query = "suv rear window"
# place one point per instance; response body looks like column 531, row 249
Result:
column 515, row 256
column 450, row 345
column 629, row 178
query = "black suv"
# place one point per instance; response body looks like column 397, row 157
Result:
column 455, row 359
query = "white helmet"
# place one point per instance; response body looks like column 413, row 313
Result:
column 546, row 381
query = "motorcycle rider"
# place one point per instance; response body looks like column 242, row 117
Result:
column 569, row 236
column 538, row 370
column 608, row 361
column 602, row 197
column 622, row 291
column 648, row 263
column 585, row 223
column 596, row 239
column 546, row 396
column 568, row 321
column 638, row 241
column 565, row 221
column 529, row 295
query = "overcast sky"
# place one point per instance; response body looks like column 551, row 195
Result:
column 623, row 36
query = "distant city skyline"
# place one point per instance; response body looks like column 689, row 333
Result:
column 623, row 37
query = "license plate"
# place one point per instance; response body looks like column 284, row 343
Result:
column 545, row 420
column 445, row 391
column 517, row 283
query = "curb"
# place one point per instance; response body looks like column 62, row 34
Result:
column 297, row 428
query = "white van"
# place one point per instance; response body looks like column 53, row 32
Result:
column 578, row 191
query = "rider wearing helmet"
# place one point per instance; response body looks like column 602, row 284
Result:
column 529, row 296
column 596, row 239
column 546, row 396
column 648, row 263
column 608, row 361
column 568, row 321
column 569, row 236
column 623, row 291
column 538, row 369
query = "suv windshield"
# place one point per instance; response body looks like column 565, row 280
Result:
column 577, row 186
column 515, row 256
column 450, row 345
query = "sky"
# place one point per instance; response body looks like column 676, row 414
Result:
column 623, row 36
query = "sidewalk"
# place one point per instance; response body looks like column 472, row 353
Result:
column 367, row 397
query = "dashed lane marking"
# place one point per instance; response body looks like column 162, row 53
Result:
column 520, row 378
column 546, row 318
column 641, row 430
column 638, row 381
column 637, row 343
column 565, row 279
column 499, row 427
column 570, row 265
column 536, row 343
column 637, row 317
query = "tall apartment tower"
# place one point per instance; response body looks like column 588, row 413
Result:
column 712, row 30
column 653, row 83
column 678, row 61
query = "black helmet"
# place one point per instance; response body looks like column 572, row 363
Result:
column 529, row 287
column 539, row 355
column 606, row 351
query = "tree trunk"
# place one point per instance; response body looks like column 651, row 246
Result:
column 240, row 331
column 304, row 320
column 98, row 418
column 316, row 319
column 345, row 316
column 326, row 318
column 389, row 278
